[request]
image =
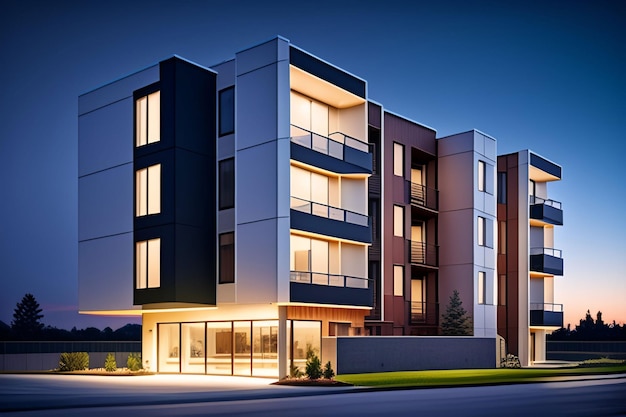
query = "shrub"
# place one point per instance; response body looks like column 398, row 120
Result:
column 295, row 372
column 75, row 361
column 328, row 371
column 313, row 367
column 110, row 365
column 134, row 361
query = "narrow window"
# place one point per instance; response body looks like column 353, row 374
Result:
column 502, row 290
column 227, row 111
column 148, row 190
column 398, row 280
column 398, row 221
column 502, row 238
column 482, row 287
column 227, row 183
column 501, row 187
column 148, row 263
column 227, row 258
column 148, row 119
column 482, row 179
column 482, row 232
column 398, row 159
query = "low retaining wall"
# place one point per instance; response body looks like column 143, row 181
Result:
column 581, row 350
column 409, row 353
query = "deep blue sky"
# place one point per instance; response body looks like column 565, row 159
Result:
column 549, row 76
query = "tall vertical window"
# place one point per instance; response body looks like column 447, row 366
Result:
column 148, row 264
column 148, row 190
column 502, row 290
column 227, row 111
column 502, row 238
column 398, row 159
column 398, row 221
column 501, row 187
column 482, row 177
column 227, row 258
column 398, row 280
column 148, row 119
column 482, row 288
column 227, row 183
column 482, row 231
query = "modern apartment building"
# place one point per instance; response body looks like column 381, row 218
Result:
column 249, row 210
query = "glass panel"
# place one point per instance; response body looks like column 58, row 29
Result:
column 141, row 261
column 141, row 192
column 398, row 160
column 193, row 344
column 300, row 113
column 416, row 176
column 335, row 149
column 300, row 253
column 481, row 287
column 300, row 183
column 481, row 231
column 319, row 209
column 219, row 337
column 227, row 111
column 398, row 280
column 306, row 338
column 227, row 258
column 319, row 256
column 319, row 118
column 398, row 221
column 319, row 143
column 265, row 348
column 154, row 189
column 481, row 176
column 169, row 352
column 154, row 263
column 319, row 188
column 154, row 117
column 242, row 364
column 227, row 183
column 141, row 121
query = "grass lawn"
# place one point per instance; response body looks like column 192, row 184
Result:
column 470, row 376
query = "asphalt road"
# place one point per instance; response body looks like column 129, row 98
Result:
column 42, row 395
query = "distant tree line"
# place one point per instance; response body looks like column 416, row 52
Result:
column 591, row 330
column 27, row 325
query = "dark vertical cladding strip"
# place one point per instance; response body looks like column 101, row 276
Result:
column 187, row 222
column 373, row 115
column 326, row 72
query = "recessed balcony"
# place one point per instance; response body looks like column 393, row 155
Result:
column 423, row 254
column 546, row 315
column 323, row 288
column 336, row 152
column 544, row 211
column 546, row 261
column 424, row 313
column 423, row 197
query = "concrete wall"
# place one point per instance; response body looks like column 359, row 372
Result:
column 388, row 353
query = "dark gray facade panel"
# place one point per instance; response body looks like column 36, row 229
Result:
column 545, row 165
column 547, row 214
column 360, row 162
column 546, row 318
column 323, row 294
column 374, row 115
column 327, row 72
column 547, row 264
column 329, row 227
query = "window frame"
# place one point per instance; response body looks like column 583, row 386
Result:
column 226, row 183
column 143, row 190
column 482, row 288
column 145, row 265
column 398, row 280
column 482, row 176
column 231, row 110
column 398, row 159
column 140, row 140
column 222, row 254
column 481, row 231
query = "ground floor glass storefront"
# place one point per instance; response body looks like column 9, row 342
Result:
column 248, row 347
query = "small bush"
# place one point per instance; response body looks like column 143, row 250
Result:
column 75, row 361
column 328, row 371
column 134, row 361
column 295, row 372
column 313, row 367
column 110, row 365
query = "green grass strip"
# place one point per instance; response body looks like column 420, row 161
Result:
column 469, row 376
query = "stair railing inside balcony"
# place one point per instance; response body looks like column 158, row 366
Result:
column 424, row 312
column 329, row 212
column 332, row 146
column 423, row 196
column 331, row 280
column 421, row 253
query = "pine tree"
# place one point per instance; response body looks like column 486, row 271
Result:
column 455, row 321
column 27, row 317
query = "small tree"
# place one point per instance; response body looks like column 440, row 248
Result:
column 313, row 367
column 133, row 362
column 110, row 364
column 27, row 317
column 328, row 371
column 455, row 321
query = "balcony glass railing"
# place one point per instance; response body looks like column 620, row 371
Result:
column 423, row 254
column 329, row 212
column 331, row 280
column 332, row 145
column 556, row 308
column 547, row 202
column 423, row 196
column 557, row 253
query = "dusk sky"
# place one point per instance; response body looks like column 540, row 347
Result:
column 546, row 76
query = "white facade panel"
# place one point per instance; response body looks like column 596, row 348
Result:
column 257, row 104
column 256, row 183
column 257, row 269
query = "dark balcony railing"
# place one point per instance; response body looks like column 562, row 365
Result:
column 332, row 146
column 423, row 196
column 331, row 280
column 548, row 211
column 424, row 313
column 546, row 260
column 546, row 314
column 421, row 253
column 329, row 212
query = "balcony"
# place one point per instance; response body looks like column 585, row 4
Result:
column 546, row 315
column 545, row 211
column 319, row 218
column 423, row 197
column 336, row 152
column 546, row 261
column 423, row 254
column 322, row 288
column 424, row 313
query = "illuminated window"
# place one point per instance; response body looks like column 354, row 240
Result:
column 484, row 232
column 482, row 179
column 227, row 111
column 398, row 280
column 148, row 190
column 398, row 159
column 148, row 119
column 227, row 183
column 148, row 263
column 481, row 231
column 398, row 221
column 482, row 289
column 227, row 258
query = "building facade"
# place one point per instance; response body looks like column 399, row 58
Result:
column 249, row 210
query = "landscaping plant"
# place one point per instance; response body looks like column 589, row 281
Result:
column 75, row 361
column 134, row 361
column 110, row 365
column 328, row 371
column 313, row 367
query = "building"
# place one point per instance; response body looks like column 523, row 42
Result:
column 250, row 210
column 527, row 259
